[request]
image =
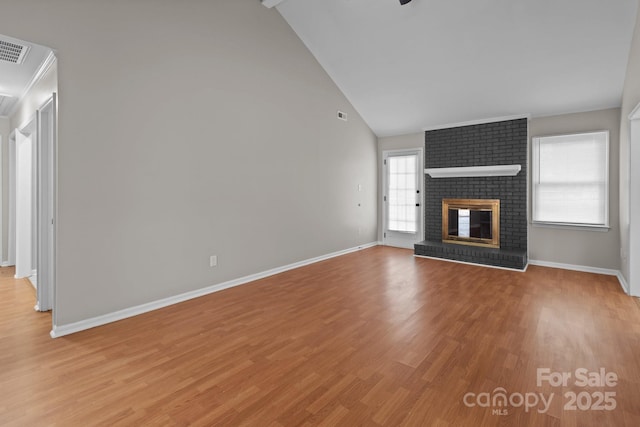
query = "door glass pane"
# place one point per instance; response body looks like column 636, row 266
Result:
column 403, row 181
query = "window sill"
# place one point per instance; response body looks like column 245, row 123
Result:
column 600, row 228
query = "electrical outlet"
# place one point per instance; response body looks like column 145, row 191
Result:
column 213, row 260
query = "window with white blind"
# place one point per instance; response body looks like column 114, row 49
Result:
column 571, row 179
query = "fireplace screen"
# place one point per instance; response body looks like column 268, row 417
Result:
column 471, row 222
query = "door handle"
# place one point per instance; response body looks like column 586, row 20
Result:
column 418, row 205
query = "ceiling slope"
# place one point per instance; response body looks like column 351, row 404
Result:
column 435, row 62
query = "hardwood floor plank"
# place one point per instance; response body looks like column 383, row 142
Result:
column 376, row 337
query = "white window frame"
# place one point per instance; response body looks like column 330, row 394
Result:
column 535, row 171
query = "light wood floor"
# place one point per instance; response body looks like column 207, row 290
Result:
column 376, row 337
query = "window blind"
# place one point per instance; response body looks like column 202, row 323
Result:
column 570, row 179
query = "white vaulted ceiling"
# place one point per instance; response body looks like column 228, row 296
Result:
column 436, row 62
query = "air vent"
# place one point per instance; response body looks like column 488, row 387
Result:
column 12, row 52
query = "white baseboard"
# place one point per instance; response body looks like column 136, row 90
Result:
column 6, row 264
column 62, row 330
column 477, row 264
column 585, row 269
column 34, row 279
column 623, row 283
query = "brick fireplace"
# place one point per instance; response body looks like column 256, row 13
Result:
column 478, row 148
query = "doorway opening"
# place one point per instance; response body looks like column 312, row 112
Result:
column 32, row 183
column 28, row 84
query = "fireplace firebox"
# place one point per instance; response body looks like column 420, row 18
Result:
column 473, row 222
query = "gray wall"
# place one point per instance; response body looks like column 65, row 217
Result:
column 400, row 142
column 579, row 246
column 630, row 98
column 188, row 130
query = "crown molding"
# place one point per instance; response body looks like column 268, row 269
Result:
column 270, row 3
column 46, row 64
column 478, row 122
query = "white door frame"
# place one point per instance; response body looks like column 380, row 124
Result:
column 420, row 198
column 634, row 202
column 1, row 206
column 46, row 148
column 11, row 221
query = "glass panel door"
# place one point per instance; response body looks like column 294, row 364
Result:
column 402, row 198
